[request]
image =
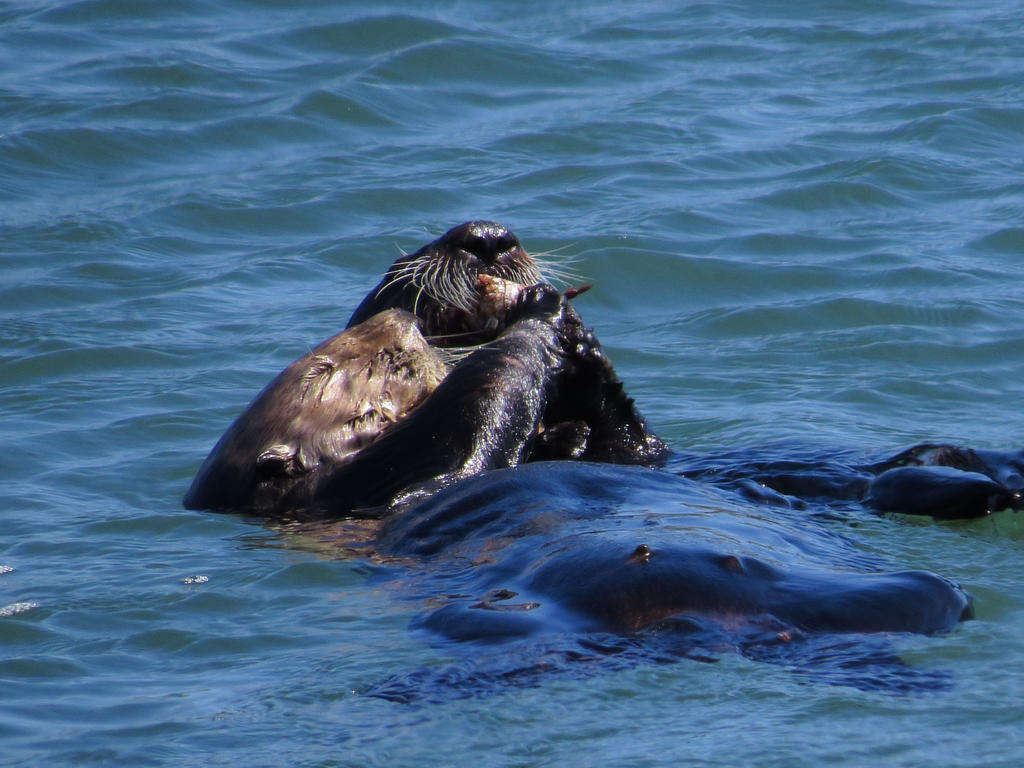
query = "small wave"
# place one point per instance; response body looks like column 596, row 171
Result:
column 1007, row 240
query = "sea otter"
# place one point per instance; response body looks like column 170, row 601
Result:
column 377, row 411
column 532, row 384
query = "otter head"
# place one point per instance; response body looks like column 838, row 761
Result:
column 445, row 282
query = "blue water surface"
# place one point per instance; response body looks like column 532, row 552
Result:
column 805, row 228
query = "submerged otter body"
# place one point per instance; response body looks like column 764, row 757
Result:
column 573, row 568
column 382, row 421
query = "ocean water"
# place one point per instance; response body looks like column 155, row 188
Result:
column 804, row 224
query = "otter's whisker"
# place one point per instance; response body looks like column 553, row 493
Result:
column 553, row 251
column 464, row 288
column 454, row 355
column 445, row 336
column 452, row 288
column 416, row 301
column 397, row 273
column 432, row 282
column 441, row 289
column 561, row 269
column 446, row 286
column 562, row 277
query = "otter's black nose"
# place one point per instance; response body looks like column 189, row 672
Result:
column 486, row 240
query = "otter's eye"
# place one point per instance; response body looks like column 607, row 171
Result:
column 506, row 242
column 478, row 246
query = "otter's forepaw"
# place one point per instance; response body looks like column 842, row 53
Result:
column 581, row 344
column 540, row 301
column 587, row 344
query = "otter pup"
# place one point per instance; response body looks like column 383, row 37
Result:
column 376, row 411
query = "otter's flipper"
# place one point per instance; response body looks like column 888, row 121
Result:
column 942, row 492
column 937, row 480
column 947, row 481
